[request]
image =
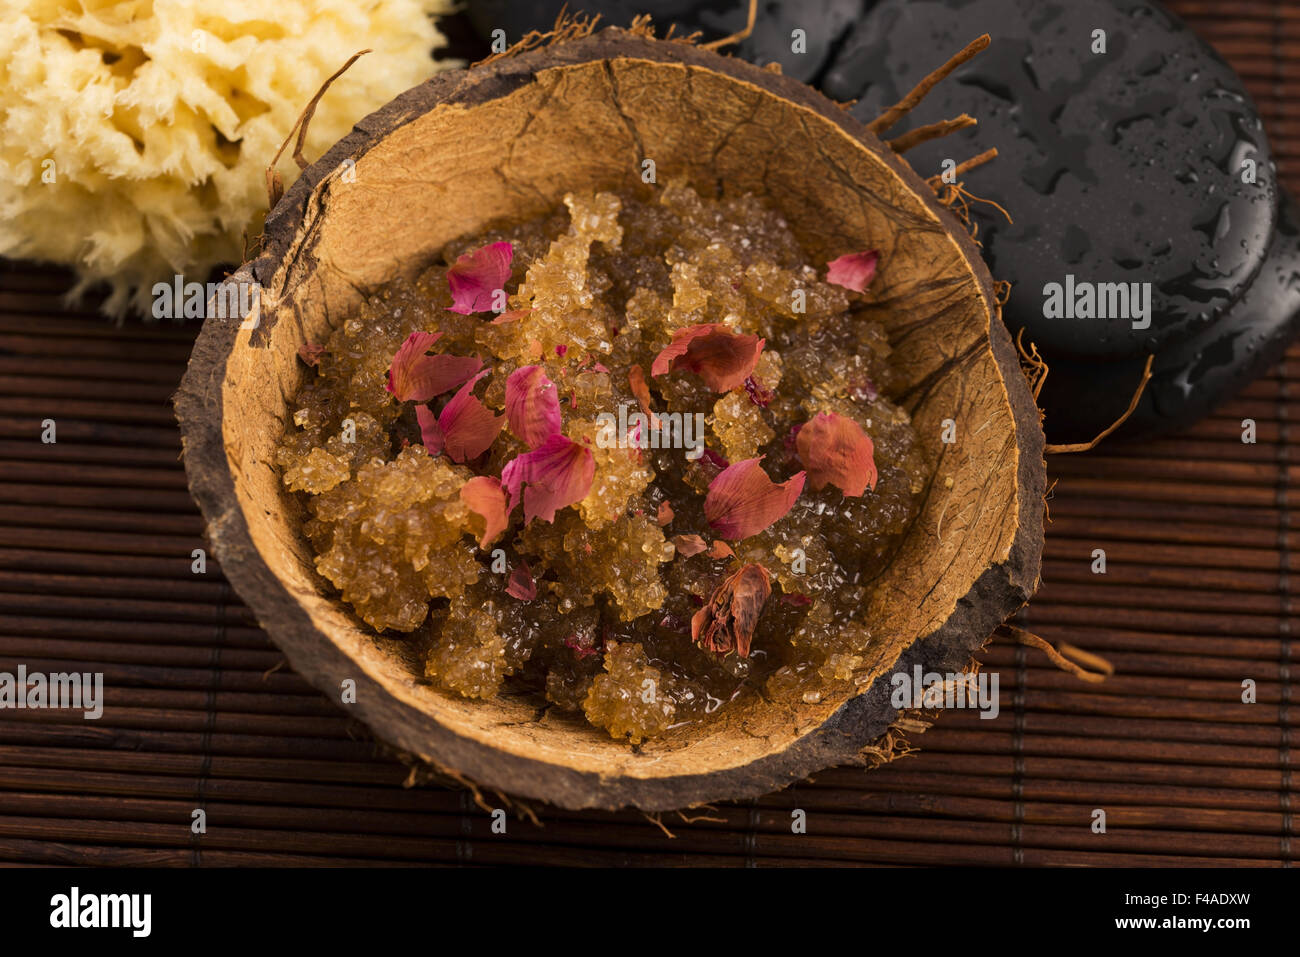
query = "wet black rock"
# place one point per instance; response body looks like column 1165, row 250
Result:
column 1124, row 166
column 1120, row 166
column 824, row 24
column 1189, row 378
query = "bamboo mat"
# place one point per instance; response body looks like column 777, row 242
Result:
column 1201, row 532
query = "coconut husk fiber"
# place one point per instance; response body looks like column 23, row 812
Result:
column 505, row 140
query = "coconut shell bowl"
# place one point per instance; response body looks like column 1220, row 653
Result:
column 505, row 140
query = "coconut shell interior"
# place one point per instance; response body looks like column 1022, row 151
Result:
column 506, row 141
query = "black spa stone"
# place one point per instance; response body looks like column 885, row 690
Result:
column 1118, row 167
column 1080, row 397
column 824, row 22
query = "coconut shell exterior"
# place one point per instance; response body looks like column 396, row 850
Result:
column 505, row 140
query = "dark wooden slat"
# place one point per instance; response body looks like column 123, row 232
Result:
column 86, row 410
column 90, row 370
column 90, row 564
column 163, row 500
column 28, row 427
column 163, row 676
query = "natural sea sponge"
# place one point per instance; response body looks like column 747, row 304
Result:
column 135, row 135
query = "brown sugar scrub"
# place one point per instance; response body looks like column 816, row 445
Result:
column 429, row 178
column 636, row 456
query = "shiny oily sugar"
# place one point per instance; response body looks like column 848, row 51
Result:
column 609, row 282
column 588, row 111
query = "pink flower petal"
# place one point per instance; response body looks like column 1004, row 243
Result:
column 522, row 585
column 582, row 645
column 556, row 475
column 714, row 459
column 742, row 500
column 510, row 315
column 484, row 496
column 635, row 439
column 310, row 353
column 532, row 405
column 688, row 545
column 416, row 377
column 720, row 549
column 835, row 450
column 665, row 514
column 722, row 358
column 759, row 394
column 468, row 426
column 476, row 276
column 636, row 380
column 854, row 270
column 430, row 430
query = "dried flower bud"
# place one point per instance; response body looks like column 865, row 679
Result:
column 728, row 619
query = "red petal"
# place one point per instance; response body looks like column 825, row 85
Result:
column 468, row 426
column 665, row 514
column 521, row 584
column 722, row 358
column 721, row 549
column 634, row 440
column 310, row 353
column 759, row 394
column 510, row 315
column 636, row 379
column 484, row 495
column 853, row 271
column 552, row 477
column 416, row 377
column 430, row 430
column 582, row 645
column 532, row 405
column 688, row 545
column 742, row 500
column 835, row 450
column 476, row 277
